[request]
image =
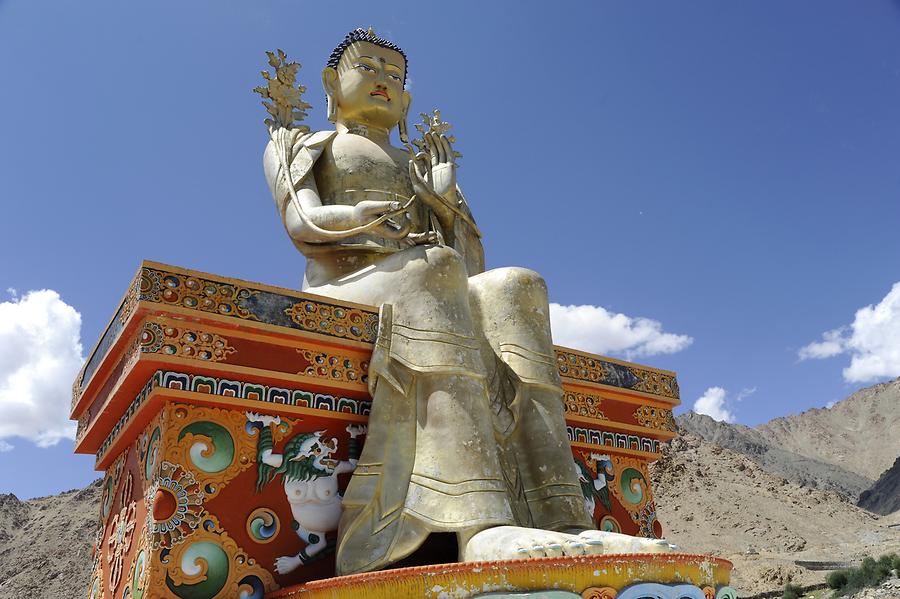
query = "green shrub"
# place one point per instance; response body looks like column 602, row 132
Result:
column 792, row 591
column 885, row 564
column 870, row 574
column 836, row 580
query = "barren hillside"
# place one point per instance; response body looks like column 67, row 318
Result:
column 884, row 496
column 796, row 468
column 859, row 434
column 45, row 544
column 711, row 499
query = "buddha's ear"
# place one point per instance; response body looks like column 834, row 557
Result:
column 330, row 83
column 406, row 102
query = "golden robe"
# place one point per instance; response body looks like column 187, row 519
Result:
column 466, row 430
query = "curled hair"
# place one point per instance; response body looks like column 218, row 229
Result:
column 361, row 35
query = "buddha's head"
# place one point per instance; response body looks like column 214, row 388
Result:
column 364, row 81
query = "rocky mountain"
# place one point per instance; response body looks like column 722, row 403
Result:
column 709, row 499
column 860, row 434
column 803, row 470
column 884, row 496
column 712, row 499
column 45, row 544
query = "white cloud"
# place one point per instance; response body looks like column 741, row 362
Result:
column 714, row 404
column 832, row 344
column 40, row 354
column 745, row 393
column 872, row 340
column 597, row 330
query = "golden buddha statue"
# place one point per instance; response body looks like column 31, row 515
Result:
column 466, row 433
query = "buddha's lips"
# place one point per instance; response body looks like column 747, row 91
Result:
column 379, row 92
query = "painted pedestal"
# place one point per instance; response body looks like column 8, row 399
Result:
column 206, row 396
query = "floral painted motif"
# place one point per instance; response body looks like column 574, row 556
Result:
column 174, row 505
column 336, row 321
column 195, row 293
column 658, row 418
column 119, row 543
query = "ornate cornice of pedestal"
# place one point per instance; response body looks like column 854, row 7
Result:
column 171, row 318
column 614, row 576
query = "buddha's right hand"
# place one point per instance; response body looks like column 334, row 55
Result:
column 397, row 227
column 368, row 210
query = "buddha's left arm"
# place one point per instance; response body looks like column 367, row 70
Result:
column 467, row 238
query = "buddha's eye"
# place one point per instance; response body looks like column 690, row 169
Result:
column 394, row 77
column 365, row 68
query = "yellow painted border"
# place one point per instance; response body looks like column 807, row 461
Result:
column 573, row 574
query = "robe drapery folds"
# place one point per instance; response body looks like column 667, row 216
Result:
column 466, row 429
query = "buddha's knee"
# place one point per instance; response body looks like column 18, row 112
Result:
column 438, row 269
column 510, row 286
column 442, row 258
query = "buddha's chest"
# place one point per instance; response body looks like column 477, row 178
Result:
column 353, row 162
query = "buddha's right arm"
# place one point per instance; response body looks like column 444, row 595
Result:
column 305, row 217
column 305, row 227
column 303, row 214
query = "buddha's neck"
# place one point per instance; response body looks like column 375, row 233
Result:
column 376, row 134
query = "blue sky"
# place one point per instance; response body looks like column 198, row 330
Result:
column 729, row 171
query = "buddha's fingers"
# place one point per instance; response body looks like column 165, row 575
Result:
column 417, row 178
column 434, row 147
column 432, row 151
column 377, row 207
column 422, row 164
column 448, row 149
column 442, row 150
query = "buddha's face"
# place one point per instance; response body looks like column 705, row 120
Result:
column 368, row 85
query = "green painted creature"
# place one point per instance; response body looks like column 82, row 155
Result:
column 310, row 483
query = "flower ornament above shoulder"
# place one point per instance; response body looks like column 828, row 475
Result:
column 282, row 96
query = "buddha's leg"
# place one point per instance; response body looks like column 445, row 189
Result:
column 430, row 459
column 512, row 307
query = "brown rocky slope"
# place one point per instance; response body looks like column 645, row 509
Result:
column 45, row 544
column 711, row 499
column 884, row 496
column 859, row 434
column 805, row 471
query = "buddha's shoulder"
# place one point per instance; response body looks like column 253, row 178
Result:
column 303, row 147
column 312, row 139
column 297, row 138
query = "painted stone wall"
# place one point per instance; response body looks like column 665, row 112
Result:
column 191, row 510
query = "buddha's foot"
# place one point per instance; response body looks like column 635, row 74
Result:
column 513, row 542
column 614, row 542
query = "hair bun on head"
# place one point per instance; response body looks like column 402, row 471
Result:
column 361, row 35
